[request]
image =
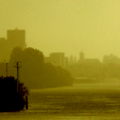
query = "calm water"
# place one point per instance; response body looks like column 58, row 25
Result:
column 79, row 102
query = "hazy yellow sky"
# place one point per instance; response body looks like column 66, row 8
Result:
column 65, row 25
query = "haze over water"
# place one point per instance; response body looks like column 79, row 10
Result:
column 68, row 26
column 92, row 101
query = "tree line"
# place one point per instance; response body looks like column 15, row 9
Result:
column 34, row 72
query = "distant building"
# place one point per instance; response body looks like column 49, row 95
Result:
column 91, row 61
column 15, row 38
column 87, row 61
column 111, row 59
column 82, row 56
column 3, row 49
column 2, row 39
column 72, row 60
column 56, row 58
column 85, row 67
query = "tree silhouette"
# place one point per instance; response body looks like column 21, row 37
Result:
column 35, row 73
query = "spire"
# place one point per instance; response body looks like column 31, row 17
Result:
column 82, row 55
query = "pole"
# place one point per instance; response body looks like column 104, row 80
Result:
column 17, row 66
column 6, row 69
column 17, row 76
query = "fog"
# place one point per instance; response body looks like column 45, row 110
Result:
column 65, row 26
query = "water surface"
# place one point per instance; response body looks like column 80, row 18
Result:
column 95, row 101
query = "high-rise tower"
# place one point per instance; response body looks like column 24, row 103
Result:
column 16, row 38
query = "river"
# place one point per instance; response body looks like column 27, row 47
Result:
column 88, row 101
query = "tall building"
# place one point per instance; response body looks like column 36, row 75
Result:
column 15, row 38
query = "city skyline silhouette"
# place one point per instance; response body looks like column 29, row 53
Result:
column 64, row 54
column 66, row 26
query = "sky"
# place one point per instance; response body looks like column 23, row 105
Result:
column 68, row 26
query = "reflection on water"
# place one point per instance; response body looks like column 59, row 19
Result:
column 83, row 101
